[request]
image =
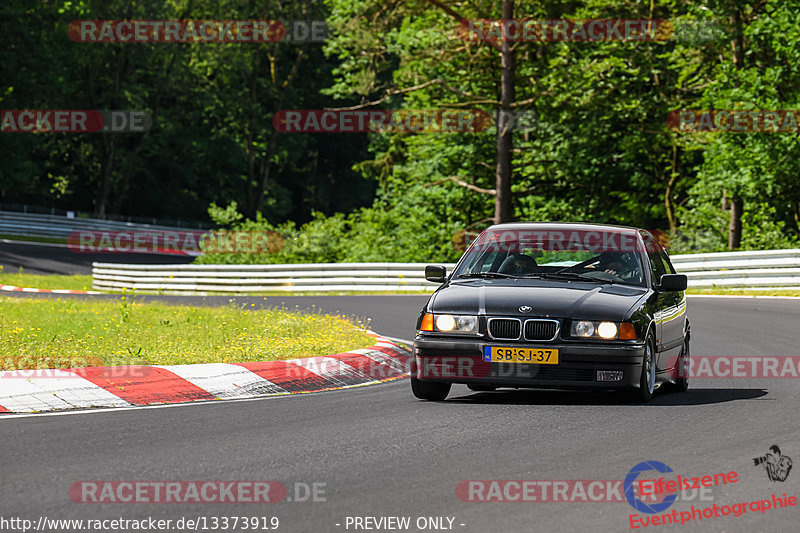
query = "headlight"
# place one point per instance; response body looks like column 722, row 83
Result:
column 604, row 330
column 607, row 330
column 445, row 323
column 583, row 329
column 450, row 323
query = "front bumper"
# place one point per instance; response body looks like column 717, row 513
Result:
column 461, row 361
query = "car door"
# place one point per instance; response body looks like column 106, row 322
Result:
column 674, row 319
column 665, row 301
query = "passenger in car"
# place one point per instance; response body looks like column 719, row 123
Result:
column 518, row 265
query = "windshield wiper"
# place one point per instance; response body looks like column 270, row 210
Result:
column 570, row 275
column 486, row 275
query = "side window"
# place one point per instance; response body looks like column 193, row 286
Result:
column 669, row 269
column 657, row 268
column 658, row 265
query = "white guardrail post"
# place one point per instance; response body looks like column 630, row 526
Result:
column 767, row 269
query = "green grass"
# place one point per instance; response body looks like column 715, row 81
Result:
column 46, row 281
column 746, row 292
column 33, row 238
column 64, row 333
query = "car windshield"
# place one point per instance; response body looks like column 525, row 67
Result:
column 519, row 255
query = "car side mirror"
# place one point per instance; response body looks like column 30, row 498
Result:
column 673, row 282
column 435, row 273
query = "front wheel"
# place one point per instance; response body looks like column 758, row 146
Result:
column 682, row 383
column 429, row 390
column 647, row 379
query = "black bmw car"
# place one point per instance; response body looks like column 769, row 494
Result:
column 551, row 305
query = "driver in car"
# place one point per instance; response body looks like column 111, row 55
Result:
column 617, row 263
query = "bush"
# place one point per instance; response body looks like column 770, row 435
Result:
column 375, row 234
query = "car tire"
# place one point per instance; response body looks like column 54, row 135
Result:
column 429, row 390
column 682, row 384
column 482, row 388
column 648, row 375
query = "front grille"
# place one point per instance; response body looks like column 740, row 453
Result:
column 540, row 330
column 504, row 328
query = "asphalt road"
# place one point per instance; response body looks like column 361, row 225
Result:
column 379, row 452
column 41, row 258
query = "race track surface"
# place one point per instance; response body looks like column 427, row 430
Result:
column 40, row 258
column 380, row 452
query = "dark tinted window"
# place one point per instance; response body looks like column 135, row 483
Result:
column 667, row 265
column 658, row 266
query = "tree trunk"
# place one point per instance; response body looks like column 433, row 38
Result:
column 735, row 202
column 735, row 230
column 109, row 148
column 503, row 211
column 673, row 224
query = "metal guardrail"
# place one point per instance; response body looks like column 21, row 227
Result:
column 22, row 209
column 38, row 225
column 762, row 269
column 757, row 270
column 328, row 277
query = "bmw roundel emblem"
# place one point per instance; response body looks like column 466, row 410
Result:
column 525, row 308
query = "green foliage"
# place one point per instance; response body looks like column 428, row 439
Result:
column 212, row 139
column 379, row 233
column 226, row 216
column 597, row 146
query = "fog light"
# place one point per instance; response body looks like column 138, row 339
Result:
column 609, row 375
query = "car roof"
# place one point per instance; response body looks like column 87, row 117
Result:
column 564, row 226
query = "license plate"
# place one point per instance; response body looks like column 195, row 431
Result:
column 534, row 356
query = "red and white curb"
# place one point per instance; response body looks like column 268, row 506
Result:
column 12, row 288
column 29, row 391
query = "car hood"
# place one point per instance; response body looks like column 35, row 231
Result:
column 557, row 300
